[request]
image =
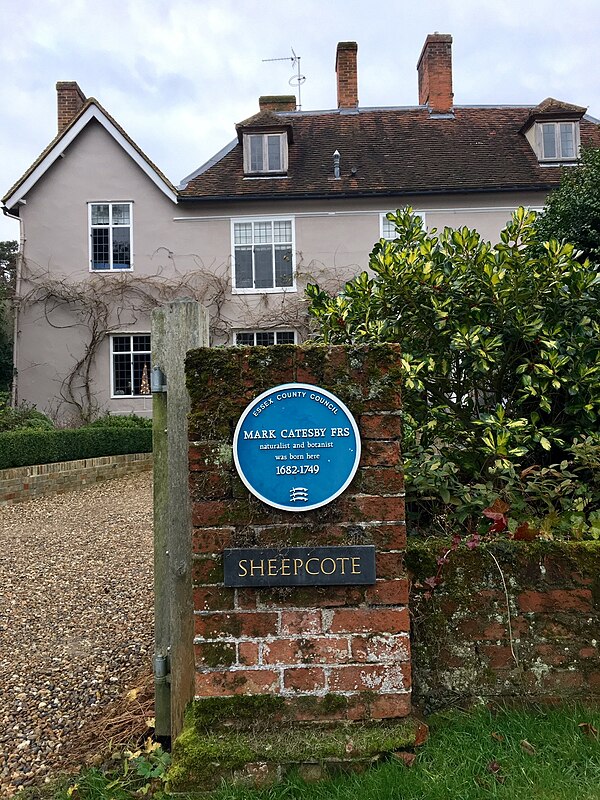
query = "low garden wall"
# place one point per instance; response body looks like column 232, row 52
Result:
column 463, row 646
column 22, row 483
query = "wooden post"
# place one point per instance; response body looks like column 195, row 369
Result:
column 176, row 328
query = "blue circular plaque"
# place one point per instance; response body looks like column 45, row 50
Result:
column 296, row 447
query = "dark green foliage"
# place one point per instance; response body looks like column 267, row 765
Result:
column 23, row 416
column 572, row 212
column 121, row 421
column 8, row 261
column 501, row 363
column 24, row 447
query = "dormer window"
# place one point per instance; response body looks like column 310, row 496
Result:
column 558, row 140
column 265, row 153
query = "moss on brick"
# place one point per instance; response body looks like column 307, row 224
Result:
column 204, row 755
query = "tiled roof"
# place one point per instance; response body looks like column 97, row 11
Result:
column 394, row 151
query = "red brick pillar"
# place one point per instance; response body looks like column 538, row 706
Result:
column 337, row 652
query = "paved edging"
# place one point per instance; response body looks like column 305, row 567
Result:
column 23, row 483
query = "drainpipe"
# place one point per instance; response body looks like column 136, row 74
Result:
column 14, row 397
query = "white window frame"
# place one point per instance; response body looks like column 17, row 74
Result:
column 111, row 226
column 557, row 141
column 383, row 220
column 275, row 331
column 283, row 153
column 131, row 334
column 266, row 290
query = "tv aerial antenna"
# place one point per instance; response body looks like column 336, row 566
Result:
column 298, row 78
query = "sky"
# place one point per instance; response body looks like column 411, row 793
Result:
column 178, row 74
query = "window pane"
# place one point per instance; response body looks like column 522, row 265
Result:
column 549, row 141
column 100, row 248
column 265, row 338
column 121, row 259
column 139, row 362
column 263, row 267
column 262, row 232
column 282, row 231
column 256, row 153
column 122, row 373
column 283, row 265
column 100, row 214
column 567, row 144
column 243, row 267
column 120, row 214
column 244, row 339
column 242, row 233
column 286, row 337
column 121, row 344
column 388, row 229
column 274, row 152
column 141, row 343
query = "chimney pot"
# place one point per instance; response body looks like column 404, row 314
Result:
column 70, row 100
column 347, row 74
column 435, row 73
column 277, row 102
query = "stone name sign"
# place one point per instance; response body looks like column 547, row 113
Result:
column 296, row 447
column 299, row 566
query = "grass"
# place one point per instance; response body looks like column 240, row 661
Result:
column 534, row 754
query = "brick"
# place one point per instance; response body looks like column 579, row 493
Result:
column 246, row 599
column 211, row 540
column 306, row 650
column 498, row 656
column 380, row 454
column 370, row 677
column 388, row 536
column 378, row 480
column 552, row 655
column 248, row 653
column 388, row 593
column 213, row 598
column 302, row 622
column 252, row 624
column 312, row 597
column 210, row 485
column 373, row 507
column 207, row 570
column 588, row 652
column 563, row 680
column 389, row 565
column 381, row 648
column 204, row 456
column 475, row 629
column 390, row 706
column 206, row 513
column 380, row 426
column 245, row 681
column 306, row 679
column 593, row 680
column 381, row 620
column 556, row 600
column 215, row 654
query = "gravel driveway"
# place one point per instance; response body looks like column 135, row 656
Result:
column 76, row 613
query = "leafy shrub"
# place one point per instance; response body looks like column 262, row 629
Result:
column 121, row 421
column 23, row 416
column 21, row 448
column 501, row 355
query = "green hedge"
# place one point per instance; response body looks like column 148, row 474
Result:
column 24, row 447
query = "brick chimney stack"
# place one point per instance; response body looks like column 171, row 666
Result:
column 70, row 101
column 435, row 73
column 347, row 74
column 277, row 102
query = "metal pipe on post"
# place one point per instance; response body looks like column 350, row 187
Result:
column 176, row 328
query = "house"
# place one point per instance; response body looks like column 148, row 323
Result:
column 296, row 196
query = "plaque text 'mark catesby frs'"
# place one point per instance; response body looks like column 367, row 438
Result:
column 296, row 447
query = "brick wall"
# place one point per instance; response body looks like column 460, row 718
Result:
column 339, row 652
column 461, row 638
column 23, row 483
